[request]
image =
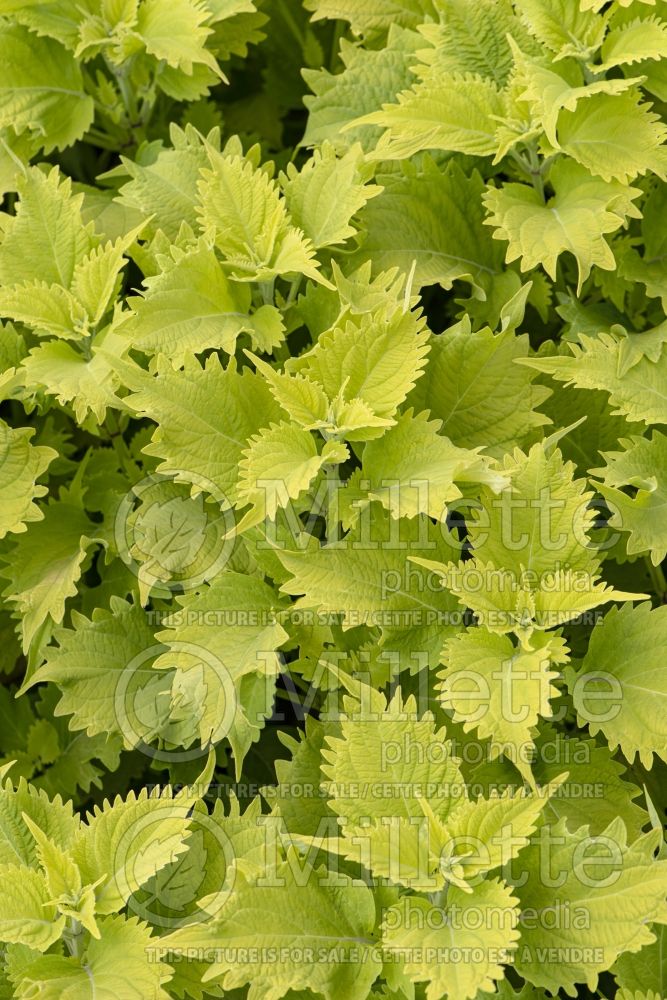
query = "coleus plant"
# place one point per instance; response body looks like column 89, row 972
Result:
column 333, row 479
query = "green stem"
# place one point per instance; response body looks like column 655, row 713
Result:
column 333, row 483
column 266, row 291
column 658, row 579
column 536, row 172
column 73, row 937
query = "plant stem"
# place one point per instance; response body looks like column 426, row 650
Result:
column 658, row 579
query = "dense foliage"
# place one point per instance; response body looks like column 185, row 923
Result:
column 333, row 370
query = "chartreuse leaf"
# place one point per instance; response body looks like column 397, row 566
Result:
column 88, row 385
column 445, row 111
column 644, row 970
column 46, row 562
column 333, row 920
column 202, row 432
column 577, row 218
column 564, row 29
column 176, row 33
column 413, row 469
column 102, row 667
column 65, row 290
column 305, row 401
column 165, row 187
column 619, row 688
column 612, row 891
column 370, row 581
column 636, row 392
column 472, row 384
column 597, row 789
column 47, row 238
column 369, row 78
column 171, row 540
column 191, row 306
column 641, row 468
column 26, row 915
column 123, row 963
column 124, row 843
column 326, row 193
column 427, row 940
column 63, row 882
column 381, row 16
column 535, row 565
column 433, row 217
column 55, row 818
column 42, row 90
column 471, row 38
column 211, row 663
column 373, row 360
column 279, row 464
column 373, row 769
column 415, row 825
column 96, row 278
column 501, row 690
column 302, row 814
column 241, row 208
column 22, row 464
column 615, row 137
column 639, row 39
column 543, row 93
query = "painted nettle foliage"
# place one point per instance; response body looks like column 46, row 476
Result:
column 333, row 499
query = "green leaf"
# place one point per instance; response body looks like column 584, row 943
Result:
column 414, row 924
column 434, row 218
column 334, row 922
column 241, row 209
column 374, row 360
column 577, row 218
column 375, row 770
column 639, row 39
column 55, row 818
column 413, row 469
column 642, row 469
column 408, row 13
column 42, row 89
column 501, row 690
column 615, row 137
column 46, row 564
column 47, row 238
column 645, row 970
column 597, row 789
column 22, row 465
column 563, row 27
column 326, row 193
column 471, row 37
column 636, row 392
column 124, row 843
column 177, row 33
column 279, row 464
column 202, row 433
column 369, row 78
column 535, row 565
column 211, row 664
column 164, row 186
column 86, row 384
column 619, row 687
column 445, row 111
column 103, row 669
column 616, row 889
column 189, row 307
column 472, row 384
column 26, row 915
column 122, row 964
